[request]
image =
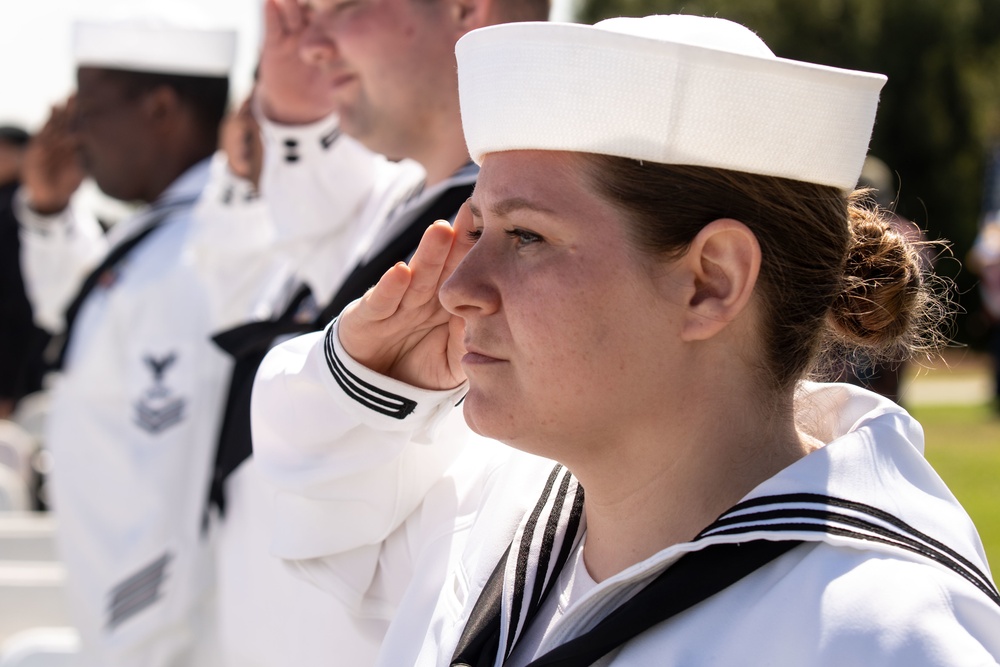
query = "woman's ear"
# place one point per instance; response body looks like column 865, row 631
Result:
column 723, row 261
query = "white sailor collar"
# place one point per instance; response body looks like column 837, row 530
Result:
column 869, row 488
column 873, row 457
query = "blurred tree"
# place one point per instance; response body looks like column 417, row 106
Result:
column 940, row 110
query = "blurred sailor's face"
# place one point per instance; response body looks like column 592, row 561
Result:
column 393, row 66
column 113, row 133
column 568, row 329
column 11, row 158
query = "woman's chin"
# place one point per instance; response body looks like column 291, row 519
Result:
column 485, row 418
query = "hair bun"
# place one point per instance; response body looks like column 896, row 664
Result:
column 886, row 306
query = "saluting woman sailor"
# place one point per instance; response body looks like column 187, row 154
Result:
column 661, row 241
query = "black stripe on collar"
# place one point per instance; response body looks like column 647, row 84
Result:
column 784, row 515
column 551, row 528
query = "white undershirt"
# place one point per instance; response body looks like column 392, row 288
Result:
column 573, row 583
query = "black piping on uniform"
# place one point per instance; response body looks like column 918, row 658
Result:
column 372, row 397
column 329, row 139
column 523, row 555
column 786, row 519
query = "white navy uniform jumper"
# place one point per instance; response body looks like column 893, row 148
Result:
column 391, row 504
column 133, row 420
column 334, row 206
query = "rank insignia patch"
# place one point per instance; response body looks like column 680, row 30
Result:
column 159, row 408
column 137, row 592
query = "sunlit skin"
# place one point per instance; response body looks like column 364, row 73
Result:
column 567, row 327
column 638, row 373
column 390, row 65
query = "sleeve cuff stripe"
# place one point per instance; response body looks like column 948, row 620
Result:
column 372, row 397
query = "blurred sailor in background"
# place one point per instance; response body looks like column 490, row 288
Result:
column 136, row 411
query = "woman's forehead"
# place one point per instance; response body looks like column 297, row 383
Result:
column 556, row 177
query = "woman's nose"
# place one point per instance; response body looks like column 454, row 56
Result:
column 471, row 288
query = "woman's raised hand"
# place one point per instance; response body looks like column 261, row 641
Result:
column 399, row 328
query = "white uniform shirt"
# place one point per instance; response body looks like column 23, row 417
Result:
column 406, row 515
column 132, row 427
column 232, row 246
column 57, row 253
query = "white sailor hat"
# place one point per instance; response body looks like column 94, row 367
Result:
column 166, row 38
column 671, row 89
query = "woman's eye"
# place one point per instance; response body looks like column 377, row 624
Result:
column 524, row 237
column 473, row 235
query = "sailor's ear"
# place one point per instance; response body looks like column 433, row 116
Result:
column 721, row 268
column 162, row 108
column 471, row 14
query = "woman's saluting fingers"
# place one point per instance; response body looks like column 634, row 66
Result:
column 399, row 328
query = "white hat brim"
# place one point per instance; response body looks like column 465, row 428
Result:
column 582, row 88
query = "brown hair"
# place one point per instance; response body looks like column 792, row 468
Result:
column 834, row 273
column 510, row 11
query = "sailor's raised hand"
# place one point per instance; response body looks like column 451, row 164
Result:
column 294, row 82
column 400, row 329
column 52, row 169
column 241, row 142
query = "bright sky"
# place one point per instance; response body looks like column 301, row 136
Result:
column 36, row 68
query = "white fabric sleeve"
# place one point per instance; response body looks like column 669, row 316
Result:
column 57, row 253
column 351, row 453
column 316, row 183
column 231, row 246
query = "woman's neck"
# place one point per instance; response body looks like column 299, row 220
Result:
column 663, row 487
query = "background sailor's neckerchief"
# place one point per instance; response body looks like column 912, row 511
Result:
column 103, row 275
column 546, row 538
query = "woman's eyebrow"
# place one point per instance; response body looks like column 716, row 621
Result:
column 505, row 207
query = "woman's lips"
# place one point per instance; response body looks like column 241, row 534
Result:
column 476, row 356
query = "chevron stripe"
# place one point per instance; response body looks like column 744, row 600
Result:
column 138, row 592
column 157, row 420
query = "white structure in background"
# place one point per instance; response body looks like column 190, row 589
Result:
column 34, row 620
column 17, row 448
column 41, row 647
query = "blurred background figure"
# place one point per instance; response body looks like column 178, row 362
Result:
column 242, row 144
column 984, row 260
column 21, row 342
column 874, row 374
column 232, row 243
column 135, row 408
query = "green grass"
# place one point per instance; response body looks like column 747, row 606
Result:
column 963, row 445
